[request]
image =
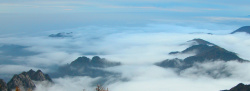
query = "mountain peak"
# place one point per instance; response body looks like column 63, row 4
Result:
column 80, row 61
column 31, row 72
column 24, row 79
column 245, row 29
column 240, row 87
column 96, row 58
column 21, row 80
column 40, row 76
column 198, row 41
column 84, row 66
column 204, row 52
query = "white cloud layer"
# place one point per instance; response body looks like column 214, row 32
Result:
column 137, row 48
column 68, row 84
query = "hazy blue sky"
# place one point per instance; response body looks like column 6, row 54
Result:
column 33, row 15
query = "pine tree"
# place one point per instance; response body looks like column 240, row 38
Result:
column 100, row 88
column 0, row 87
column 17, row 88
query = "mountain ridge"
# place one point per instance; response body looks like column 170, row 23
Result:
column 84, row 66
column 245, row 29
column 205, row 52
column 240, row 87
column 25, row 80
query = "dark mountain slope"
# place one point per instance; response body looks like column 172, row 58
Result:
column 211, row 53
column 196, row 44
column 25, row 79
column 84, row 66
column 205, row 52
column 245, row 29
column 38, row 76
column 240, row 87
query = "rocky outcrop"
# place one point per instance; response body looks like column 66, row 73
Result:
column 25, row 80
column 3, row 85
column 240, row 87
column 22, row 80
column 38, row 76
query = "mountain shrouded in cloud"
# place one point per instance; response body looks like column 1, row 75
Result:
column 205, row 52
column 244, row 29
column 124, row 45
column 61, row 35
column 25, row 80
column 130, row 54
column 240, row 87
column 22, row 80
column 83, row 66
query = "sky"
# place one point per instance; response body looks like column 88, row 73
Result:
column 44, row 15
column 137, row 33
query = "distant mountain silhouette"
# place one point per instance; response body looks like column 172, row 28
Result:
column 62, row 35
column 171, row 63
column 201, row 33
column 198, row 41
column 25, row 80
column 195, row 44
column 210, row 53
column 240, row 87
column 245, row 29
column 83, row 66
column 204, row 52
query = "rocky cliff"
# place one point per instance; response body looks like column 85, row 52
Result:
column 25, row 80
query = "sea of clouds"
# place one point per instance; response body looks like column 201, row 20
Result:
column 137, row 48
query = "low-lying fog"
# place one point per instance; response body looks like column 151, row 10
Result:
column 137, row 48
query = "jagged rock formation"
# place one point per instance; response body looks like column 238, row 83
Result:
column 38, row 76
column 22, row 80
column 3, row 85
column 240, row 87
column 205, row 52
column 25, row 79
column 84, row 66
column 61, row 35
column 245, row 29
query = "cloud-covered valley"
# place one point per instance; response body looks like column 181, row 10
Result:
column 137, row 48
